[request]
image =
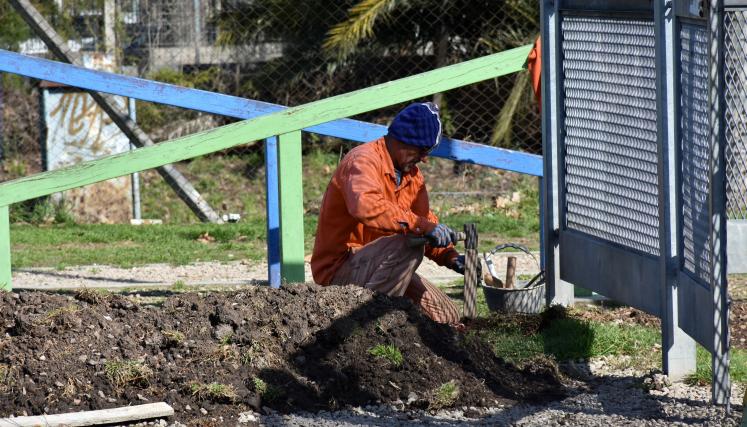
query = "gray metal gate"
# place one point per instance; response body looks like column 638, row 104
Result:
column 634, row 151
column 735, row 79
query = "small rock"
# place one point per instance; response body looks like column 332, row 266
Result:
column 101, row 394
column 412, row 397
column 141, row 397
column 83, row 358
column 108, row 318
column 59, row 384
column 42, row 357
column 248, row 417
column 111, row 400
column 76, row 402
column 187, row 408
column 203, row 411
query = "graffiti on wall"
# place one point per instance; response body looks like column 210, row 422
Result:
column 78, row 130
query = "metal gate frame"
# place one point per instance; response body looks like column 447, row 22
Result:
column 653, row 277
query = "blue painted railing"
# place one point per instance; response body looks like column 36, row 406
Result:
column 210, row 102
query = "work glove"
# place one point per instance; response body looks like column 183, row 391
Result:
column 441, row 236
column 457, row 264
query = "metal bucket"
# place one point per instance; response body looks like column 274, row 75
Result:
column 517, row 300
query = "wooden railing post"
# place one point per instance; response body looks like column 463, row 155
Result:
column 273, row 211
column 291, row 207
column 5, row 282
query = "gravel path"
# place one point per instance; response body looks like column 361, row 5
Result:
column 200, row 274
column 606, row 397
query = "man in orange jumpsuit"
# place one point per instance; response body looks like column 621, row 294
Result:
column 374, row 203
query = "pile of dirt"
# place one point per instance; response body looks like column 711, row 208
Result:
column 215, row 355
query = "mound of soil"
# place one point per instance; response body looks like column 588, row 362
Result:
column 212, row 356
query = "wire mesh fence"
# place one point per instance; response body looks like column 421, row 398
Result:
column 289, row 53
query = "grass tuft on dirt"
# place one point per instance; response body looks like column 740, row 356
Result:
column 444, row 396
column 214, row 392
column 389, row 353
column 121, row 373
column 173, row 338
column 91, row 296
column 268, row 392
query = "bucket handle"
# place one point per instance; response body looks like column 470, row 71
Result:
column 538, row 279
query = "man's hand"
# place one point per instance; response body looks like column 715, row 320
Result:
column 441, row 236
column 457, row 264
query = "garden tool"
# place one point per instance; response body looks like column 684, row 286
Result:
column 471, row 266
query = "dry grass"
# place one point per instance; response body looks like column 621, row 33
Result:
column 123, row 372
column 215, row 392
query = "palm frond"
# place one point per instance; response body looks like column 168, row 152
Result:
column 345, row 36
column 502, row 130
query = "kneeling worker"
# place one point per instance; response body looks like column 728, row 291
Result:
column 374, row 202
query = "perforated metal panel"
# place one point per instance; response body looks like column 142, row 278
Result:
column 695, row 151
column 610, row 130
column 735, row 22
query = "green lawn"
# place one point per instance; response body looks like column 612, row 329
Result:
column 564, row 335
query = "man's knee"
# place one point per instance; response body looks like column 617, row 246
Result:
column 401, row 245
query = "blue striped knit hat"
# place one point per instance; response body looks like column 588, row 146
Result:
column 417, row 125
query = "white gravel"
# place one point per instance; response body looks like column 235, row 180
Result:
column 606, row 398
column 199, row 274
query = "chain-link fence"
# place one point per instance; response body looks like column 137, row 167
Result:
column 291, row 53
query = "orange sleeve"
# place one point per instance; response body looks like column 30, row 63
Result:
column 365, row 201
column 534, row 65
column 421, row 206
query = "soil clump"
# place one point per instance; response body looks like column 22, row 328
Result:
column 214, row 355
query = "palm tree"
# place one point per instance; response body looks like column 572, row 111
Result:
column 369, row 20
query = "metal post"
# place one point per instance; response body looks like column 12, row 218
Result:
column 110, row 38
column 678, row 349
column 472, row 271
column 197, row 30
column 721, row 388
column 273, row 211
column 136, row 211
column 558, row 292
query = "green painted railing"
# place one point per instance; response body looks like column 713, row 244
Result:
column 287, row 123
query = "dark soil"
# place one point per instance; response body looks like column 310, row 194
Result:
column 300, row 347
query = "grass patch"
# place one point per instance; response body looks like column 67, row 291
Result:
column 173, row 338
column 91, row 296
column 179, row 286
column 223, row 353
column 61, row 311
column 703, row 371
column 127, row 246
column 444, row 396
column 123, row 372
column 388, row 352
column 268, row 392
column 215, row 392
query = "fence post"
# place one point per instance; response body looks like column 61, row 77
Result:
column 558, row 291
column 291, row 207
column 273, row 211
column 678, row 349
column 5, row 282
